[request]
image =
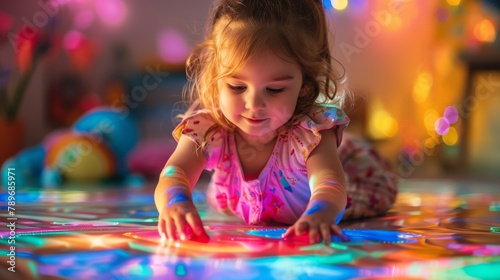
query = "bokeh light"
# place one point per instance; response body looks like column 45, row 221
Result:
column 172, row 46
column 451, row 138
column 453, row 2
column 111, row 12
column 72, row 40
column 327, row 4
column 422, row 87
column 451, row 114
column 382, row 124
column 485, row 31
column 339, row 4
column 442, row 126
column 430, row 118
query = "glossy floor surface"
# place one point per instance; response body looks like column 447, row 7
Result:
column 437, row 230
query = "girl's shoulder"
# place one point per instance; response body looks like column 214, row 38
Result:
column 323, row 117
column 305, row 134
column 201, row 128
column 196, row 126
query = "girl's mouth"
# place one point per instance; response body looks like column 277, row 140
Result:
column 255, row 121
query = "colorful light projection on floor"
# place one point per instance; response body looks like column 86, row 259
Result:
column 359, row 235
column 440, row 230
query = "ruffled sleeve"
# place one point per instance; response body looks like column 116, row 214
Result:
column 201, row 129
column 306, row 134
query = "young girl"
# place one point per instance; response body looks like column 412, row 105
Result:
column 267, row 121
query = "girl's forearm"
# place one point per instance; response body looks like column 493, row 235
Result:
column 326, row 188
column 173, row 187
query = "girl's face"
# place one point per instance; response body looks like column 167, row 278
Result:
column 261, row 96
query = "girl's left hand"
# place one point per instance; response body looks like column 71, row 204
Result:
column 319, row 221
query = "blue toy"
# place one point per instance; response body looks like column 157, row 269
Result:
column 95, row 149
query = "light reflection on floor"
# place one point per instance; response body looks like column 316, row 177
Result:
column 437, row 229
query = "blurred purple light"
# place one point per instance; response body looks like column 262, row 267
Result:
column 172, row 46
column 451, row 114
column 442, row 126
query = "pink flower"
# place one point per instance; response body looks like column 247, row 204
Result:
column 30, row 45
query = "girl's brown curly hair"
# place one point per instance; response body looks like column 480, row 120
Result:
column 239, row 29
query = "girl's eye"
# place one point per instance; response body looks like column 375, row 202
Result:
column 275, row 90
column 237, row 88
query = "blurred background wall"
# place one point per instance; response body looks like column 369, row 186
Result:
column 423, row 72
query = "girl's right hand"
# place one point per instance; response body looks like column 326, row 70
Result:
column 181, row 221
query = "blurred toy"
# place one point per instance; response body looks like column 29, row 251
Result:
column 94, row 149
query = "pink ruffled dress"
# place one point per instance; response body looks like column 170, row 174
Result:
column 281, row 192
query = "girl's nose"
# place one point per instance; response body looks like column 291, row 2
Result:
column 254, row 100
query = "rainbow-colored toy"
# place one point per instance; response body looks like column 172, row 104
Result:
column 94, row 149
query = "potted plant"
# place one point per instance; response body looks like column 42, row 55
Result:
column 30, row 45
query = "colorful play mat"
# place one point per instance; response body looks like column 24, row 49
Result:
column 438, row 229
